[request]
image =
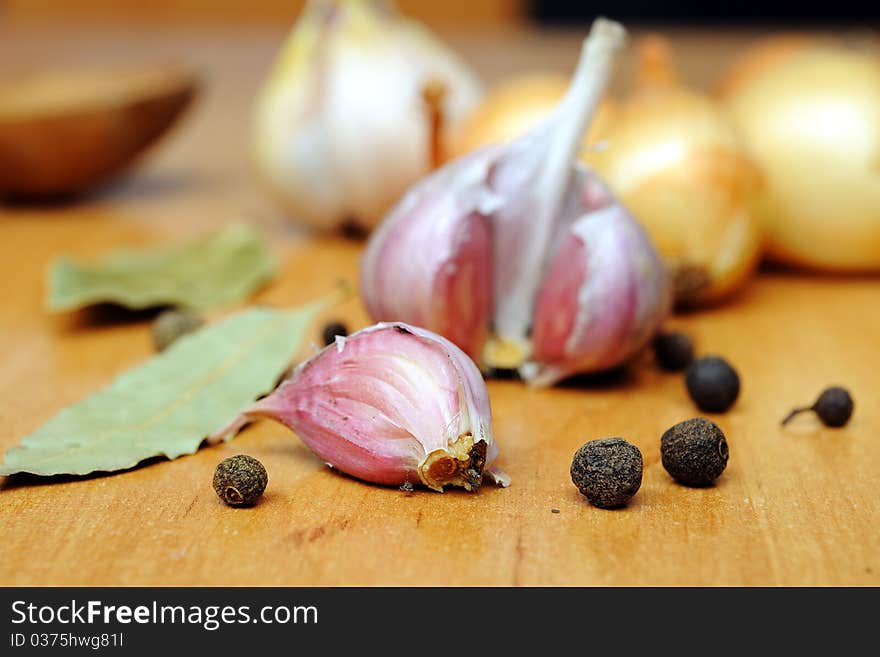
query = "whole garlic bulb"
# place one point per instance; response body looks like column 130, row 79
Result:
column 520, row 255
column 810, row 117
column 676, row 162
column 341, row 128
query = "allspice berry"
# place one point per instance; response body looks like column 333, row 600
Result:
column 712, row 383
column 674, row 351
column 608, row 472
column 834, row 407
column 240, row 480
column 173, row 324
column 694, row 452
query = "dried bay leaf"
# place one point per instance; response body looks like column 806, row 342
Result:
column 221, row 268
column 168, row 405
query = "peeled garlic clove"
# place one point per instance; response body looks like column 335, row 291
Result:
column 604, row 296
column 390, row 404
column 340, row 126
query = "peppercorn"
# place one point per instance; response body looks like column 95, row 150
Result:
column 173, row 324
column 694, row 452
column 608, row 471
column 712, row 383
column 331, row 330
column 834, row 407
column 240, row 480
column 674, row 351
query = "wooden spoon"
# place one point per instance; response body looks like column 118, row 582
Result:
column 62, row 133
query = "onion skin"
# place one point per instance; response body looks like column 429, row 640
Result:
column 811, row 120
column 765, row 53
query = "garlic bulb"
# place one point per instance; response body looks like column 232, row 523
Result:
column 675, row 161
column 521, row 256
column 390, row 404
column 810, row 117
column 341, row 128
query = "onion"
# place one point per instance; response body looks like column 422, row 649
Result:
column 675, row 161
column 810, row 117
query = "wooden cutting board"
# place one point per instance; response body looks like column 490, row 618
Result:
column 797, row 506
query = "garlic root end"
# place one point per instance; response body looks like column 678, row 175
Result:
column 460, row 464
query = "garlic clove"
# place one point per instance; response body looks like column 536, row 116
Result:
column 430, row 261
column 340, row 130
column 390, row 404
column 605, row 294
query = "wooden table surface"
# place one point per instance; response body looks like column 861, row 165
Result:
column 796, row 506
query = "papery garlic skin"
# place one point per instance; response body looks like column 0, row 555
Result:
column 391, row 404
column 542, row 214
column 340, row 130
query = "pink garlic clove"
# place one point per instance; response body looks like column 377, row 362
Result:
column 519, row 254
column 390, row 404
column 430, row 261
column 605, row 294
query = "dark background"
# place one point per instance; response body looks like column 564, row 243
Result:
column 747, row 11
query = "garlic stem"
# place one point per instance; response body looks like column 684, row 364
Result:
column 568, row 126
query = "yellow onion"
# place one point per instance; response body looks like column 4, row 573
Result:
column 810, row 117
column 675, row 161
column 516, row 105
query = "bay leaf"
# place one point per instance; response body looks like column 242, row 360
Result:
column 220, row 268
column 168, row 405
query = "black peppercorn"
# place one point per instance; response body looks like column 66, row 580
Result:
column 240, row 480
column 608, row 471
column 331, row 330
column 694, row 452
column 834, row 407
column 673, row 351
column 712, row 383
column 173, row 324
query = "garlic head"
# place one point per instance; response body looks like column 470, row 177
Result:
column 340, row 128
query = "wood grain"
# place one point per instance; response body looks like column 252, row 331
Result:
column 797, row 506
